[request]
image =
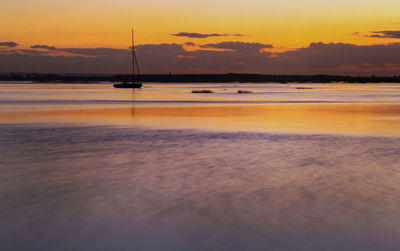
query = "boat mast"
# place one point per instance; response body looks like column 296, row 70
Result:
column 133, row 57
column 134, row 60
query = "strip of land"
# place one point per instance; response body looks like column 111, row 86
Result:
column 196, row 78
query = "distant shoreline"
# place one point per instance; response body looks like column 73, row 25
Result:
column 196, row 78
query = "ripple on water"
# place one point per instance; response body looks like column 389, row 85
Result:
column 79, row 188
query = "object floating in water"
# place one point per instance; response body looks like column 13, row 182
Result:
column 244, row 91
column 202, row 91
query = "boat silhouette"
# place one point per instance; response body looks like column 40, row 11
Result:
column 135, row 72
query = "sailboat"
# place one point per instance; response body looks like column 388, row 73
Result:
column 135, row 69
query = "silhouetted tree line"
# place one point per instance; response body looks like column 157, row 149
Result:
column 197, row 78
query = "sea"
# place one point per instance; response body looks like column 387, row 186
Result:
column 294, row 166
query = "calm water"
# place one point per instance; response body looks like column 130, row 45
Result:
column 88, row 167
column 351, row 109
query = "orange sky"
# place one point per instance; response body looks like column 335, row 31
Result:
column 283, row 23
column 349, row 37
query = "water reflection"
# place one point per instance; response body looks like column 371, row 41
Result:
column 133, row 103
column 371, row 109
column 81, row 170
column 366, row 119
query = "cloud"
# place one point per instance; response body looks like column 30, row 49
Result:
column 96, row 51
column 85, row 51
column 7, row 52
column 8, row 44
column 203, row 35
column 46, row 47
column 340, row 58
column 32, row 52
column 317, row 58
column 385, row 34
column 28, row 62
column 238, row 46
column 190, row 44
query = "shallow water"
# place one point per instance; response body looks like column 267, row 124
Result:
column 93, row 168
column 352, row 109
column 80, row 188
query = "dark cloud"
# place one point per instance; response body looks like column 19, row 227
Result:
column 32, row 52
column 239, row 46
column 190, row 44
column 317, row 58
column 160, row 57
column 340, row 58
column 46, row 47
column 96, row 51
column 18, row 62
column 85, row 51
column 203, row 35
column 6, row 52
column 385, row 34
column 8, row 44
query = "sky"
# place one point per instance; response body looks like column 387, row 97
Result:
column 351, row 37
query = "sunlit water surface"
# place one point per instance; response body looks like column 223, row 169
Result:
column 89, row 167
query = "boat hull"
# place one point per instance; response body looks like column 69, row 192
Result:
column 128, row 85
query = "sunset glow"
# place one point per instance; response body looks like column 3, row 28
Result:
column 227, row 125
column 286, row 25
